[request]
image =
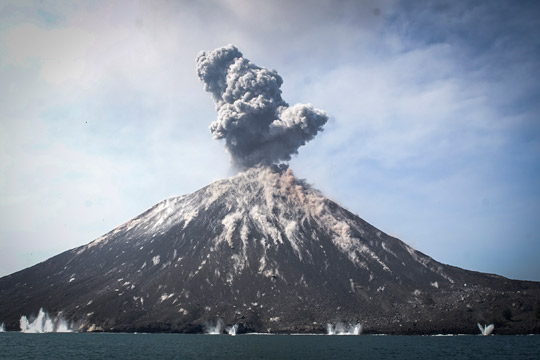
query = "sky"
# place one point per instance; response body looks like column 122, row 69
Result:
column 433, row 133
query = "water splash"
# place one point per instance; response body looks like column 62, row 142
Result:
column 63, row 326
column 342, row 329
column 231, row 330
column 212, row 329
column 2, row 327
column 44, row 324
column 487, row 329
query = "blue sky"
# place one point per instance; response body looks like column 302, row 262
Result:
column 433, row 137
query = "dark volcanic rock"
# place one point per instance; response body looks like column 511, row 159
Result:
column 267, row 252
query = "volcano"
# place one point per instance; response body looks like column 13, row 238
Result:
column 264, row 251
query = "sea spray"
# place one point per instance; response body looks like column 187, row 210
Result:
column 486, row 329
column 62, row 326
column 44, row 324
column 342, row 329
column 212, row 329
column 231, row 330
column 2, row 327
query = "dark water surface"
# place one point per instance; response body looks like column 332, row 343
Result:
column 178, row 346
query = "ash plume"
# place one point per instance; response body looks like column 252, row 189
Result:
column 258, row 126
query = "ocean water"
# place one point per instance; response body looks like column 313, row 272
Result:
column 179, row 346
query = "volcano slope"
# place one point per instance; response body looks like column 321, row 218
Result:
column 267, row 252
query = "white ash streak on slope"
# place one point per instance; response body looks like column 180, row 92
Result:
column 258, row 126
column 428, row 263
column 277, row 203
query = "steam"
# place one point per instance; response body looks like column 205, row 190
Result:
column 342, row 329
column 486, row 330
column 44, row 324
column 257, row 125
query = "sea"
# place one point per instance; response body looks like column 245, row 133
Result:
column 72, row 346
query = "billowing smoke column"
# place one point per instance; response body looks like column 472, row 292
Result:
column 257, row 125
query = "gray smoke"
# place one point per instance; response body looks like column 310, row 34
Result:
column 257, row 125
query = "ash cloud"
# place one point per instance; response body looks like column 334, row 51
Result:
column 258, row 126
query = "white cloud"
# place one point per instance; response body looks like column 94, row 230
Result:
column 62, row 53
